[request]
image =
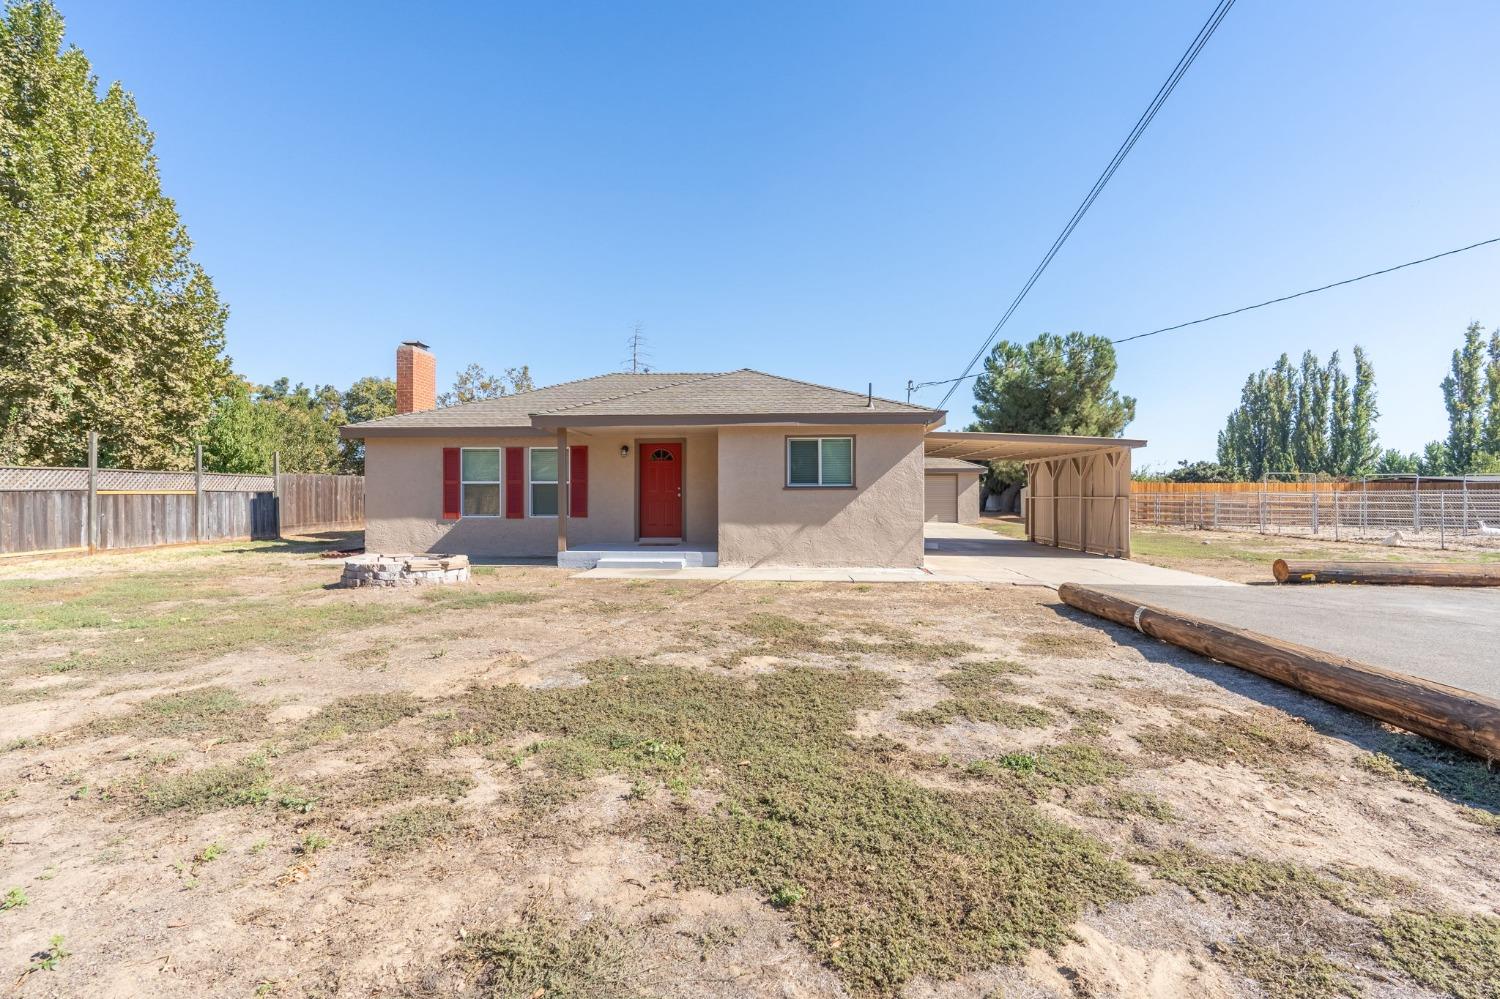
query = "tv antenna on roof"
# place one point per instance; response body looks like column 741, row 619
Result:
column 639, row 359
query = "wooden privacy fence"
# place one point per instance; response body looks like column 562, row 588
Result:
column 1466, row 515
column 75, row 510
column 321, row 502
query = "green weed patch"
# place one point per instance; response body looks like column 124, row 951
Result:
column 894, row 879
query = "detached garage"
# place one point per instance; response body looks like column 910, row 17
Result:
column 952, row 491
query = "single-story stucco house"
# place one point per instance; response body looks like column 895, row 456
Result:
column 734, row 468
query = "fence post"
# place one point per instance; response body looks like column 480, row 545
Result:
column 1443, row 519
column 198, row 494
column 1336, row 515
column 276, row 490
column 1463, row 530
column 1216, row 511
column 1416, row 505
column 91, row 527
column 1315, row 514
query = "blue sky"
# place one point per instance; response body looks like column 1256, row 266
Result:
column 844, row 192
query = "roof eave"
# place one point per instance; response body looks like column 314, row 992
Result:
column 360, row 431
column 548, row 421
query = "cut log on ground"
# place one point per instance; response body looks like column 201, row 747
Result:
column 1457, row 717
column 1387, row 573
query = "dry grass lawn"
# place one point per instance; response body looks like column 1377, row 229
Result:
column 221, row 777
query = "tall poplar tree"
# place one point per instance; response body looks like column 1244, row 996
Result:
column 105, row 321
column 1465, row 397
column 1303, row 418
column 1364, row 444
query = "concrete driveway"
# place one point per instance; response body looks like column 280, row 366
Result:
column 960, row 553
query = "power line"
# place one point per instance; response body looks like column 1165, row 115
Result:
column 1165, row 91
column 1311, row 291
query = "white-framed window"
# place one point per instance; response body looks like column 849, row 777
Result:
column 480, row 474
column 812, row 462
column 542, row 481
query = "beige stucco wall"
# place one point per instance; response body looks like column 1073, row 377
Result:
column 968, row 498
column 877, row 523
column 404, row 496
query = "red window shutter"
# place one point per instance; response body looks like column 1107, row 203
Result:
column 578, row 482
column 515, row 482
column 452, row 484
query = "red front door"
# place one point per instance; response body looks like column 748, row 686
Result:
column 661, row 490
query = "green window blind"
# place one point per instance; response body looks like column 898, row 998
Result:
column 544, row 464
column 481, row 465
column 838, row 461
column 802, row 462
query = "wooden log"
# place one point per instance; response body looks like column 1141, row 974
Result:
column 1387, row 573
column 1457, row 717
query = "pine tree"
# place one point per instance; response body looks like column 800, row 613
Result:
column 105, row 320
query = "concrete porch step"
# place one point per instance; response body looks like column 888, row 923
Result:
column 633, row 557
column 642, row 562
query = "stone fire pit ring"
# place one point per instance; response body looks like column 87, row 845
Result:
column 375, row 569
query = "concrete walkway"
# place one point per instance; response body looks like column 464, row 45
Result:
column 962, row 553
column 956, row 554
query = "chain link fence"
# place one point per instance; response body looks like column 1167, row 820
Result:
column 1441, row 516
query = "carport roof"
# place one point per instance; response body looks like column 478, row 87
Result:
column 1018, row 447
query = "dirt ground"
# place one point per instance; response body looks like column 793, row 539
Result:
column 220, row 776
column 1247, row 558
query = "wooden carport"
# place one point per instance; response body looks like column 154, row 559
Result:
column 1077, row 488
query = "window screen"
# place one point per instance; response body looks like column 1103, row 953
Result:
column 802, row 462
column 481, row 482
column 544, row 482
column 820, row 461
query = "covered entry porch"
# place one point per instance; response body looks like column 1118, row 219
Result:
column 649, row 499
column 1077, row 488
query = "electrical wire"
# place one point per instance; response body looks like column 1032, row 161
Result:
column 1310, row 291
column 1165, row 91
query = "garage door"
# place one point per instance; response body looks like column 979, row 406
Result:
column 942, row 499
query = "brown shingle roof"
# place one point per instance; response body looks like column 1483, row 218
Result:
column 731, row 396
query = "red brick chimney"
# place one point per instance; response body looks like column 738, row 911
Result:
column 416, row 378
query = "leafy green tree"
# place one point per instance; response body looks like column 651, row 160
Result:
column 1363, row 447
column 1199, row 471
column 1310, row 429
column 105, row 321
column 1340, row 419
column 369, row 398
column 1052, row 385
column 306, row 422
column 241, row 434
column 1303, row 418
column 1393, row 462
column 1492, row 389
column 1436, row 459
column 474, row 383
column 1465, row 397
